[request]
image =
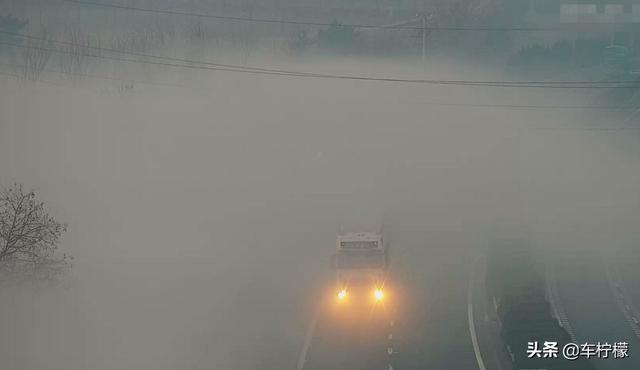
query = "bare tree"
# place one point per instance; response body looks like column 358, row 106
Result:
column 75, row 60
column 29, row 237
column 36, row 55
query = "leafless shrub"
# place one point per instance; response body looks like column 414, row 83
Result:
column 143, row 39
column 197, row 32
column 76, row 58
column 35, row 56
column 165, row 31
column 300, row 41
column 125, row 88
column 29, row 237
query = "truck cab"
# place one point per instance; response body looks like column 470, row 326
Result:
column 361, row 262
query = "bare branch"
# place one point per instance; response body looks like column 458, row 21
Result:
column 29, row 236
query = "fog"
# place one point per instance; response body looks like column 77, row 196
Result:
column 202, row 219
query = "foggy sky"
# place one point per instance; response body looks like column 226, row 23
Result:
column 202, row 220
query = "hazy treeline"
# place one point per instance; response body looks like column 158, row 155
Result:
column 143, row 31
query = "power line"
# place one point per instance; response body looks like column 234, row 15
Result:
column 305, row 23
column 470, row 105
column 99, row 77
column 523, row 84
column 187, row 66
column 145, row 55
column 545, row 107
column 619, row 128
column 309, row 74
column 18, row 77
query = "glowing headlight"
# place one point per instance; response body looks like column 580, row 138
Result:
column 342, row 294
column 378, row 294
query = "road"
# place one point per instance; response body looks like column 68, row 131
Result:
column 357, row 345
column 484, row 319
column 624, row 271
column 431, row 328
column 438, row 332
column 591, row 307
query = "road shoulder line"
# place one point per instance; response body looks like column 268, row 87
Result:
column 472, row 325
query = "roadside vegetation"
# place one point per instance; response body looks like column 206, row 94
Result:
column 29, row 238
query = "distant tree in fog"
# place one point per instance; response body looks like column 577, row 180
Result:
column 339, row 37
column 29, row 237
column 479, row 13
column 10, row 25
column 35, row 56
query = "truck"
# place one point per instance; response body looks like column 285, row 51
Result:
column 361, row 263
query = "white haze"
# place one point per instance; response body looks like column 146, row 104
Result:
column 202, row 220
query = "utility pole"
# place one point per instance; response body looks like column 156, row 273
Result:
column 424, row 36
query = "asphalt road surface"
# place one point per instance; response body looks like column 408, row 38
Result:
column 591, row 307
column 429, row 330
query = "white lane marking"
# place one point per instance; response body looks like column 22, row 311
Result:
column 554, row 301
column 614, row 282
column 307, row 342
column 472, row 325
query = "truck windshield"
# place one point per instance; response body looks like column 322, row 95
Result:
column 359, row 244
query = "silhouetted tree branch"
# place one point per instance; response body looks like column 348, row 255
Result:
column 29, row 237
